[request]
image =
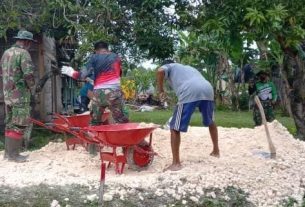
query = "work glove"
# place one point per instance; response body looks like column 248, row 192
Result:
column 69, row 71
column 89, row 80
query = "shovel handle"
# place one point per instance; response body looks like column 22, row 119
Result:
column 261, row 110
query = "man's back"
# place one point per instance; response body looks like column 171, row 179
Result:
column 16, row 66
column 107, row 69
column 188, row 83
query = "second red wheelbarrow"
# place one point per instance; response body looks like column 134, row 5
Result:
column 61, row 124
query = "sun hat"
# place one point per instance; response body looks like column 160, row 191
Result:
column 25, row 35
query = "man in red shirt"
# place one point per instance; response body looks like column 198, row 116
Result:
column 105, row 67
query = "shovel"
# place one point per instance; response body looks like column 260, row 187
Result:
column 270, row 143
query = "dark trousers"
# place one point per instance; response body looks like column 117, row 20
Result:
column 84, row 101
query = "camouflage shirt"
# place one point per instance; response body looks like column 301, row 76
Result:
column 17, row 74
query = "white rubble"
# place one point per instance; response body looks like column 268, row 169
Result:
column 243, row 164
column 55, row 203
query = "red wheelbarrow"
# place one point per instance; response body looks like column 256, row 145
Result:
column 61, row 124
column 129, row 137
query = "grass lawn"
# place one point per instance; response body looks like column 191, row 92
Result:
column 223, row 118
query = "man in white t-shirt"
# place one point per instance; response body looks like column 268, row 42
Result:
column 193, row 91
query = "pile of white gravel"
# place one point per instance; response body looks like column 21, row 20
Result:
column 243, row 164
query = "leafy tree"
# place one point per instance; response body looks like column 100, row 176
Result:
column 284, row 22
column 265, row 22
column 136, row 29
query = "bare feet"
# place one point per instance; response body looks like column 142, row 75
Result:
column 173, row 167
column 215, row 153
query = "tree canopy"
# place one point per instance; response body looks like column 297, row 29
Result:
column 136, row 29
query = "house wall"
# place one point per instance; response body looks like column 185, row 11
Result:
column 50, row 96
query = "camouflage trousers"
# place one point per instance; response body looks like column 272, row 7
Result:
column 268, row 109
column 111, row 99
column 17, row 118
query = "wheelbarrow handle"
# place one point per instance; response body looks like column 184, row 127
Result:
column 80, row 130
column 75, row 128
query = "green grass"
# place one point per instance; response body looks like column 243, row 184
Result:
column 223, row 118
column 41, row 137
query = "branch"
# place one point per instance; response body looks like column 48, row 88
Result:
column 65, row 17
column 53, row 20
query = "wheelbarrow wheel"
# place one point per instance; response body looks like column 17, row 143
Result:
column 140, row 159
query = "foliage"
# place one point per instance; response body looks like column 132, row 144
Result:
column 244, row 101
column 138, row 80
column 195, row 50
column 277, row 28
column 143, row 79
column 41, row 137
column 289, row 202
column 135, row 29
column 128, row 88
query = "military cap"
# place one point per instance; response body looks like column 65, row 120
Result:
column 25, row 35
column 262, row 72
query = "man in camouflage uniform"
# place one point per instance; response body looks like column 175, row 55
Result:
column 266, row 92
column 105, row 66
column 18, row 82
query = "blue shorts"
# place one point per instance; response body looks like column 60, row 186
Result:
column 183, row 113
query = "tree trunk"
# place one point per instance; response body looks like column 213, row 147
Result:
column 263, row 49
column 224, row 67
column 282, row 86
column 296, row 70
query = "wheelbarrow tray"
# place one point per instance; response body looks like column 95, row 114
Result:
column 64, row 124
column 126, row 134
column 79, row 120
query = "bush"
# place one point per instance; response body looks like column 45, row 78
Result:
column 222, row 107
column 244, row 101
